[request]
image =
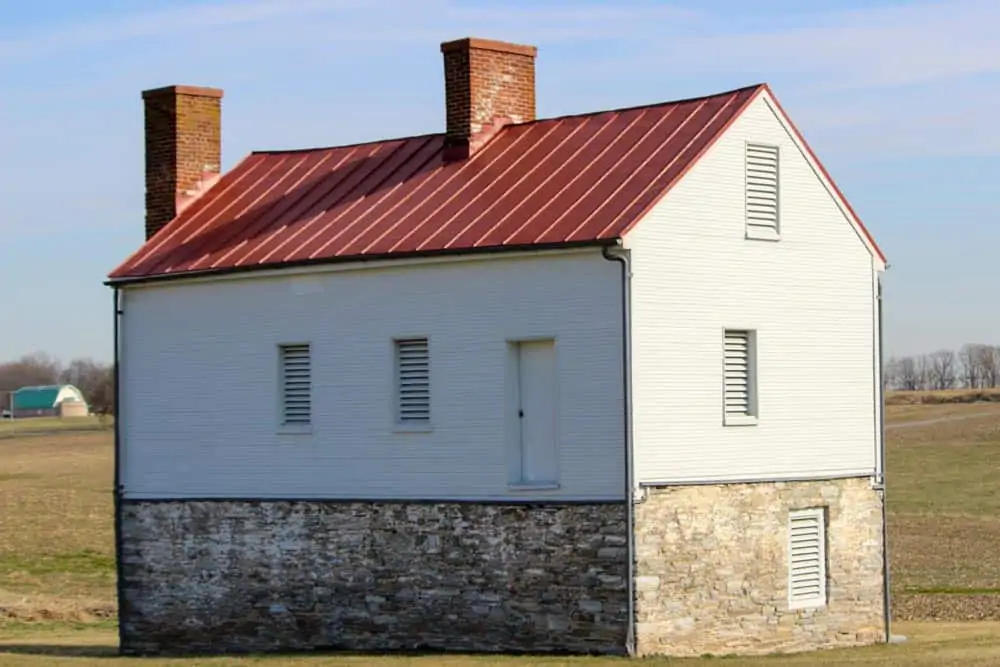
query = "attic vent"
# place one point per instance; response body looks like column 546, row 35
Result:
column 762, row 190
column 806, row 558
column 413, row 381
column 296, row 385
column 738, row 368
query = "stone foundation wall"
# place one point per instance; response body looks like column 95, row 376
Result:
column 231, row 576
column 712, row 569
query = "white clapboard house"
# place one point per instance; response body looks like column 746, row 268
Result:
column 603, row 383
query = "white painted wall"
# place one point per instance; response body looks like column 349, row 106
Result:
column 199, row 365
column 809, row 295
column 69, row 392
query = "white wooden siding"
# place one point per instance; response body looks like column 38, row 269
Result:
column 200, row 410
column 807, row 296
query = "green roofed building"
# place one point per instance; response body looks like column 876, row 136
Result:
column 63, row 400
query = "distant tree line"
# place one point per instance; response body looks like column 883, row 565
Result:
column 974, row 366
column 95, row 379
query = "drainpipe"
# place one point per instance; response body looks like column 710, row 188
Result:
column 626, row 315
column 881, row 476
column 118, row 479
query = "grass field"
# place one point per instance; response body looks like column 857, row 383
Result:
column 36, row 425
column 57, row 552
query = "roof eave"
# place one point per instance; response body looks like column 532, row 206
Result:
column 125, row 281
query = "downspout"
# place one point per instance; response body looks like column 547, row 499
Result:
column 626, row 315
column 117, row 474
column 881, row 476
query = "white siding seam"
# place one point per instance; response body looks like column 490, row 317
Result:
column 854, row 474
column 495, row 499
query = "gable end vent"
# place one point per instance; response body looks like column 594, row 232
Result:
column 806, row 558
column 413, row 381
column 296, row 385
column 762, row 202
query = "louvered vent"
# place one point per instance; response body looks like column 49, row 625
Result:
column 762, row 188
column 413, row 379
column 806, row 558
column 296, row 385
column 738, row 370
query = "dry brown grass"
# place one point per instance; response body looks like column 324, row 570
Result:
column 929, row 644
column 944, row 512
column 56, row 528
column 942, row 396
column 18, row 427
column 922, row 412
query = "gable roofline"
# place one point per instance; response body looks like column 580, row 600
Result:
column 800, row 138
column 761, row 89
column 641, row 179
column 548, row 119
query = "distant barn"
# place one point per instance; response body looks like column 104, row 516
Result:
column 56, row 400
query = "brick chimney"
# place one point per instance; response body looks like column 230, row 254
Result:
column 488, row 84
column 183, row 148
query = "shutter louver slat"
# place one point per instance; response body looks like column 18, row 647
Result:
column 807, row 558
column 413, row 389
column 762, row 187
column 736, row 373
column 296, row 385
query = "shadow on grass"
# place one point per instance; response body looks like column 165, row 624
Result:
column 59, row 650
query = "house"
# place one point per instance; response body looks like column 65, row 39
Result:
column 57, row 400
column 603, row 383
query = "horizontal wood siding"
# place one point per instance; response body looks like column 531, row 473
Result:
column 201, row 381
column 808, row 295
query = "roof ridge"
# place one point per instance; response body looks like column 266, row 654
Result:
column 585, row 114
column 649, row 105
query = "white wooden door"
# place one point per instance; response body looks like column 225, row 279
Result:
column 537, row 391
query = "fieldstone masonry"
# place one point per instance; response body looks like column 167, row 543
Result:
column 712, row 569
column 235, row 576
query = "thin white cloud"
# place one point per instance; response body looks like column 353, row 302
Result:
column 901, row 44
column 398, row 21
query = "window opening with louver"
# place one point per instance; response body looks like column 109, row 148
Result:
column 738, row 388
column 762, row 188
column 413, row 381
column 296, row 385
column 806, row 558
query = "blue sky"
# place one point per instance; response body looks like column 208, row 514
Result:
column 899, row 99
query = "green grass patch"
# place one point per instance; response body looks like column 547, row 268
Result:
column 84, row 562
column 944, row 590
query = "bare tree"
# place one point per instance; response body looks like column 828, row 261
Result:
column 90, row 377
column 891, row 374
column 908, row 375
column 988, row 360
column 968, row 358
column 941, row 369
column 32, row 369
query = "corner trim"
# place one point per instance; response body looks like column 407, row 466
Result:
column 117, row 491
column 624, row 258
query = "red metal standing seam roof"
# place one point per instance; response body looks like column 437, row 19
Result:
column 569, row 180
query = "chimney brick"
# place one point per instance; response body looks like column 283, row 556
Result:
column 487, row 84
column 183, row 145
